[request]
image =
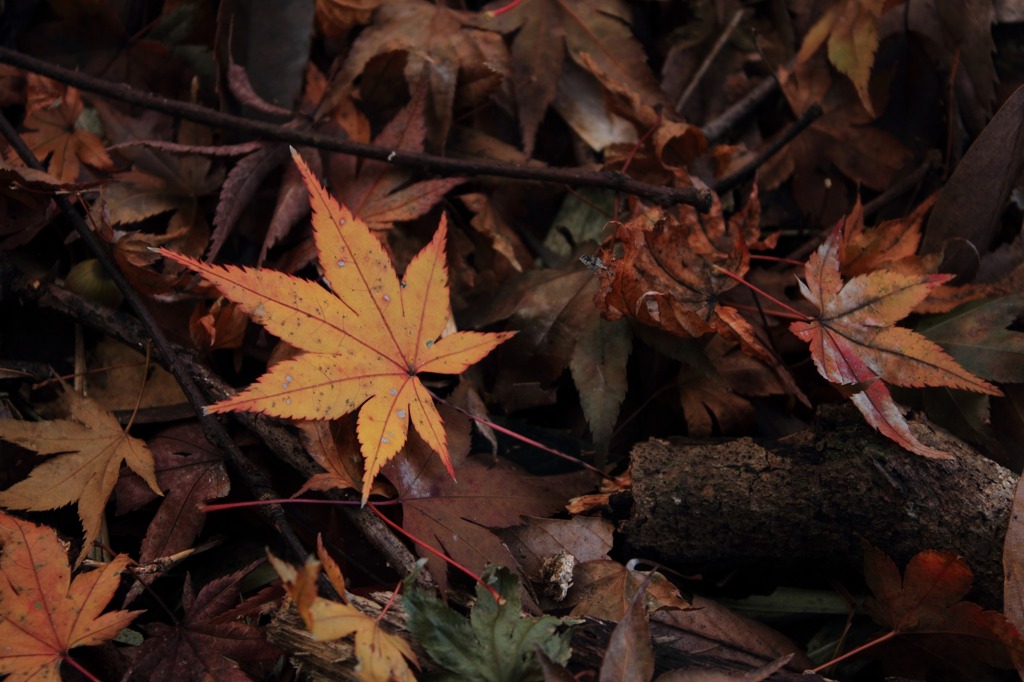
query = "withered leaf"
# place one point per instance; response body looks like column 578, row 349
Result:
column 88, row 449
column 200, row 647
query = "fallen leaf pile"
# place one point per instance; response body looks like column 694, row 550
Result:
column 428, row 282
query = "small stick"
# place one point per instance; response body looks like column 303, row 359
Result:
column 709, row 58
column 716, row 129
column 812, row 114
column 441, row 165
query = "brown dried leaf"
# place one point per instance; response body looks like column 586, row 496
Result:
column 604, row 589
column 668, row 276
column 379, row 193
column 88, row 450
column 842, row 136
column 630, row 654
column 192, row 473
column 925, row 608
column 200, row 647
column 449, row 516
column 547, row 31
column 439, row 45
column 892, row 245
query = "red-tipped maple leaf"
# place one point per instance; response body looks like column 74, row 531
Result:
column 363, row 342
column 854, row 340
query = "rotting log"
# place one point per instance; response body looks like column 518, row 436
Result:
column 807, row 499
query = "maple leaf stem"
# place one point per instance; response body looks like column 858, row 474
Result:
column 781, row 314
column 776, row 259
column 503, row 9
column 853, row 652
column 224, row 506
column 373, row 507
column 142, row 390
column 524, row 439
column 732, row 275
column 494, row 593
column 394, row 595
column 78, row 666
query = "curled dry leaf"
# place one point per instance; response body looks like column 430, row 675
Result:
column 668, row 273
column 547, row 32
column 51, row 119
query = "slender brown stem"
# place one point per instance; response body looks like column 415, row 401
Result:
column 717, row 128
column 447, row 559
column 854, row 652
column 803, row 317
column 812, row 114
column 441, row 165
column 709, row 59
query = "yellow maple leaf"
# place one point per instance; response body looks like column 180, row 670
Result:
column 43, row 613
column 382, row 656
column 89, row 449
column 364, row 342
column 851, row 28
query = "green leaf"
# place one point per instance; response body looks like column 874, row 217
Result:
column 496, row 644
column 976, row 335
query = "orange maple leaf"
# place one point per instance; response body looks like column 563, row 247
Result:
column 89, row 449
column 927, row 603
column 382, row 655
column 43, row 613
column 363, row 342
column 891, row 245
column 854, row 341
column 52, row 123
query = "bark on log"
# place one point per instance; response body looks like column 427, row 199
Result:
column 807, row 499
